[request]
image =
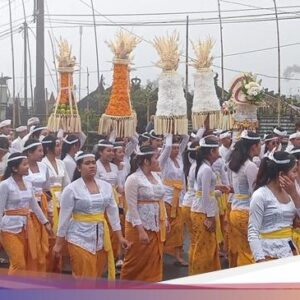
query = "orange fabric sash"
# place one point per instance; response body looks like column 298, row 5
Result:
column 30, row 235
column 178, row 186
column 162, row 217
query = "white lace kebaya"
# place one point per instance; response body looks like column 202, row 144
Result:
column 137, row 189
column 76, row 198
column 267, row 214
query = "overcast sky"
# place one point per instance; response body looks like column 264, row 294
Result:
column 237, row 37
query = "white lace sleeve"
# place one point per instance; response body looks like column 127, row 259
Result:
column 166, row 152
column 255, row 222
column 4, row 192
column 183, row 144
column 131, row 195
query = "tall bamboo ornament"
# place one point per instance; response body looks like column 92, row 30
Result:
column 119, row 115
column 205, row 103
column 65, row 115
column 171, row 109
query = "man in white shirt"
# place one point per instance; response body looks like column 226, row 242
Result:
column 17, row 143
column 5, row 127
column 226, row 141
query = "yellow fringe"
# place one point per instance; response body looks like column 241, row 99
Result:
column 174, row 125
column 69, row 123
column 198, row 119
column 123, row 126
column 248, row 125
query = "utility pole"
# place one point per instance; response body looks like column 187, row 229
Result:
column 25, row 67
column 187, row 58
column 39, row 93
column 54, row 61
column 222, row 49
column 279, row 66
column 96, row 43
column 80, row 51
column 88, row 101
column 13, row 64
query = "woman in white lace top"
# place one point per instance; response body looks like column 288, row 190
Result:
column 204, row 210
column 243, row 173
column 274, row 205
column 145, row 219
column 16, row 207
column 82, row 222
column 173, row 177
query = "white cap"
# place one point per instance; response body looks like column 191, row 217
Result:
column 224, row 135
column 5, row 123
column 21, row 128
column 33, row 121
column 295, row 135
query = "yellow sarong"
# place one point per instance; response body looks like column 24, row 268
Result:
column 99, row 217
column 55, row 189
column 177, row 185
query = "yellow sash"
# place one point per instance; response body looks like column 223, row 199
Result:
column 30, row 230
column 99, row 217
column 178, row 186
column 283, row 233
column 241, row 196
column 162, row 216
column 199, row 194
column 55, row 189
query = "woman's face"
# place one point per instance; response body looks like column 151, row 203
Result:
column 214, row 154
column 37, row 154
column 107, row 154
column 23, row 168
column 156, row 143
column 272, row 144
column 255, row 149
column 57, row 150
column 293, row 173
column 88, row 167
column 119, row 154
column 154, row 164
column 175, row 151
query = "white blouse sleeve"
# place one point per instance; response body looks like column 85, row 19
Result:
column 183, row 144
column 256, row 215
column 4, row 192
column 66, row 179
column 166, row 152
column 251, row 173
column 66, row 208
column 208, row 204
column 131, row 145
column 131, row 195
column 37, row 210
column 112, row 211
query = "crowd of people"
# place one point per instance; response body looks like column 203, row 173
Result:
column 120, row 207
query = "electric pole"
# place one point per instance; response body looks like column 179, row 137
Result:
column 39, row 93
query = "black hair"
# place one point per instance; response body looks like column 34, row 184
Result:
column 100, row 148
column 32, row 149
column 36, row 134
column 77, row 174
column 50, row 144
column 241, row 151
column 138, row 160
column 269, row 170
column 4, row 143
column 189, row 154
column 67, row 147
column 12, row 164
column 204, row 152
column 297, row 155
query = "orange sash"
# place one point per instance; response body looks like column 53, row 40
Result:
column 178, row 186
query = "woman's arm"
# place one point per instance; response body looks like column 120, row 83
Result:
column 166, row 152
column 4, row 192
column 183, row 144
column 255, row 222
